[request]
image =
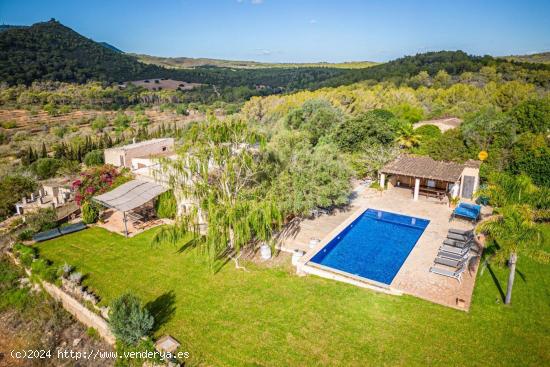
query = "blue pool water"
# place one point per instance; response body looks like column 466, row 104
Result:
column 374, row 246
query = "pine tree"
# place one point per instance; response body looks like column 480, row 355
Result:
column 44, row 153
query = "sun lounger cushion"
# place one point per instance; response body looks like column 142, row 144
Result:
column 458, row 237
column 451, row 274
column 454, row 243
column 452, row 256
column 449, row 262
column 454, row 250
column 469, row 211
column 467, row 232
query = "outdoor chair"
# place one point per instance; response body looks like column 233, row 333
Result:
column 452, row 256
column 457, row 274
column 467, row 211
column 455, row 250
column 449, row 262
column 454, row 243
column 464, row 232
column 459, row 237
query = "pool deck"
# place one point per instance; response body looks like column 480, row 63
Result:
column 414, row 277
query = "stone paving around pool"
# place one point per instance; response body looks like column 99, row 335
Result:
column 414, row 277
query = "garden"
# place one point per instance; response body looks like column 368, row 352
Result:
column 236, row 317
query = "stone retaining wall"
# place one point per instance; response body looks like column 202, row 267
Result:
column 80, row 312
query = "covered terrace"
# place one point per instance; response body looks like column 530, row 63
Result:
column 425, row 176
column 130, row 207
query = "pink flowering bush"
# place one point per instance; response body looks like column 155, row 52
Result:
column 98, row 180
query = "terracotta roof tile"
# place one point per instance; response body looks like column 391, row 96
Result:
column 424, row 167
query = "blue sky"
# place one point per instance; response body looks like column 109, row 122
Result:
column 299, row 30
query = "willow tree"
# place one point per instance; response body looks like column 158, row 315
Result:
column 219, row 173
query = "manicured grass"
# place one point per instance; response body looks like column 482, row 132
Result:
column 270, row 317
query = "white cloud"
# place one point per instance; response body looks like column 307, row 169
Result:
column 313, row 21
column 256, row 2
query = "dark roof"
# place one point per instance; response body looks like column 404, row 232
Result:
column 424, row 167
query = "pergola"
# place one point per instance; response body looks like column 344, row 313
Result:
column 129, row 196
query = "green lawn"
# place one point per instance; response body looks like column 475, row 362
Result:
column 270, row 317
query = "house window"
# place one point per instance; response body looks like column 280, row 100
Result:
column 122, row 160
column 430, row 183
column 164, row 149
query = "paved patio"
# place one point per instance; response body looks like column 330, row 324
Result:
column 113, row 221
column 414, row 277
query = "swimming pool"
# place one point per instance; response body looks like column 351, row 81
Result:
column 373, row 246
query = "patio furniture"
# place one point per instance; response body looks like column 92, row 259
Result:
column 459, row 244
column 432, row 192
column 467, row 232
column 452, row 256
column 468, row 211
column 455, row 250
column 450, row 262
column 457, row 274
column 459, row 237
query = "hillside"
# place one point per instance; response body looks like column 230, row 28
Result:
column 111, row 47
column 453, row 62
column 542, row 57
column 189, row 62
column 51, row 51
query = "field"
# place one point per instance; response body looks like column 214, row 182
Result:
column 170, row 84
column 189, row 62
column 34, row 123
column 268, row 316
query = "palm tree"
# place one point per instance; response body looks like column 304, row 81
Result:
column 514, row 229
column 407, row 138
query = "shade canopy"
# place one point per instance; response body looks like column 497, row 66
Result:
column 130, row 195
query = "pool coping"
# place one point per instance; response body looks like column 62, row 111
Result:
column 305, row 266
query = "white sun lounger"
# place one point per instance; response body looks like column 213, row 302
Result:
column 457, row 274
column 455, row 250
column 452, row 256
column 450, row 262
column 468, row 232
column 455, row 243
column 459, row 237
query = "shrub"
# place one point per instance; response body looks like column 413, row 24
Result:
column 90, row 213
column 92, row 333
column 97, row 180
column 65, row 270
column 166, row 205
column 44, row 270
column 12, row 188
column 11, row 124
column 76, row 277
column 99, row 123
column 42, row 220
column 129, row 320
column 46, row 167
column 25, row 235
column 94, row 158
column 25, row 253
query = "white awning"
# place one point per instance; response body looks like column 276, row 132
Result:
column 130, row 195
